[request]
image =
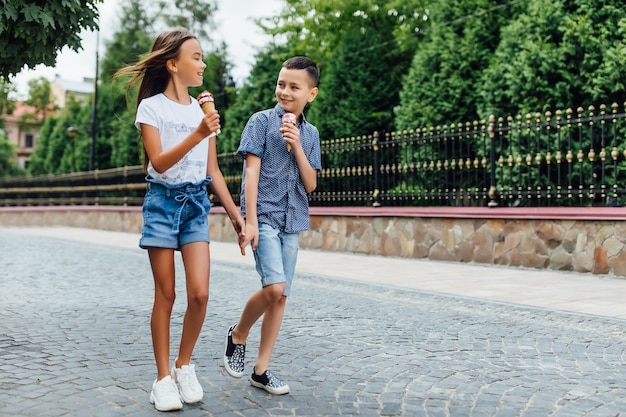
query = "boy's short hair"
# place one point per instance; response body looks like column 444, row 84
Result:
column 304, row 63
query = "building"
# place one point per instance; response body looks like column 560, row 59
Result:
column 62, row 90
column 23, row 125
column 22, row 128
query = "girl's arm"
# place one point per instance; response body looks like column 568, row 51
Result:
column 251, row 191
column 220, row 188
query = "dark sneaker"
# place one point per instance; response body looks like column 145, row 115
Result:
column 234, row 355
column 269, row 382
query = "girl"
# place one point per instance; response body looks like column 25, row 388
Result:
column 179, row 143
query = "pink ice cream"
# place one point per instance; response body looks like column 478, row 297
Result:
column 289, row 118
column 206, row 101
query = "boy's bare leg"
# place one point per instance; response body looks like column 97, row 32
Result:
column 257, row 305
column 270, row 328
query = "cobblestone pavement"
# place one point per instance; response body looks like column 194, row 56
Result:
column 75, row 341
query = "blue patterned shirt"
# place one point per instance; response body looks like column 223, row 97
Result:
column 282, row 201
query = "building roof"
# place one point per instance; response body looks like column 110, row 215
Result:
column 21, row 108
column 83, row 87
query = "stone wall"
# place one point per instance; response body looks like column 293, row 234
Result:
column 569, row 245
column 581, row 240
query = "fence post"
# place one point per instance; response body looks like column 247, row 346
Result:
column 492, row 162
column 376, row 194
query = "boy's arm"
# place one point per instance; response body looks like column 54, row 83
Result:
column 251, row 191
column 308, row 175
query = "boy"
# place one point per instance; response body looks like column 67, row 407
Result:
column 274, row 202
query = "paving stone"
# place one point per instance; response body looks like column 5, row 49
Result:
column 75, row 341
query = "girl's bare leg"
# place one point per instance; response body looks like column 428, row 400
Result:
column 162, row 263
column 196, row 259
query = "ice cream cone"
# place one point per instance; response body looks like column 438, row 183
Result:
column 289, row 118
column 206, row 102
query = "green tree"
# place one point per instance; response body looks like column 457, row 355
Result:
column 361, row 65
column 555, row 55
column 6, row 104
column 442, row 83
column 33, row 33
column 118, row 141
column 40, row 95
column 195, row 15
column 69, row 149
column 359, row 87
column 130, row 41
column 256, row 94
column 37, row 162
column 59, row 150
column 310, row 27
column 8, row 167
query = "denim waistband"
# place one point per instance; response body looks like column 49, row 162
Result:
column 169, row 189
column 183, row 193
column 187, row 189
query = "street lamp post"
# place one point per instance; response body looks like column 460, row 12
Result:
column 94, row 109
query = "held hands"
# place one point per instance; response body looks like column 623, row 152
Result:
column 210, row 124
column 291, row 135
column 239, row 224
column 251, row 235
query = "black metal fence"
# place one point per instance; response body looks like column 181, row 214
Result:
column 565, row 158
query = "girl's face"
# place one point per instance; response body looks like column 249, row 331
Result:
column 294, row 90
column 189, row 66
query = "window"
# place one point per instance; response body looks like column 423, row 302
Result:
column 28, row 140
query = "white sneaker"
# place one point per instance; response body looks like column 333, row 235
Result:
column 188, row 385
column 164, row 395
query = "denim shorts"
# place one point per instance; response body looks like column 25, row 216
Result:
column 175, row 216
column 276, row 256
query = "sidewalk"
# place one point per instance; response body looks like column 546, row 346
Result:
column 419, row 338
column 574, row 292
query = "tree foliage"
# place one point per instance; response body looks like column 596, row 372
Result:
column 359, row 87
column 195, row 15
column 483, row 57
column 40, row 95
column 131, row 41
column 399, row 64
column 315, row 27
column 556, row 55
column 257, row 93
column 455, row 49
column 8, row 168
column 117, row 141
column 57, row 150
column 33, row 33
column 6, row 104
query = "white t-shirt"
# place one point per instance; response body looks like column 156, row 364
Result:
column 175, row 122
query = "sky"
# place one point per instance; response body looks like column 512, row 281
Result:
column 235, row 27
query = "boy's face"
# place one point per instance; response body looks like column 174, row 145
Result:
column 294, row 90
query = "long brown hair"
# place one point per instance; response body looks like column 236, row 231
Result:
column 152, row 71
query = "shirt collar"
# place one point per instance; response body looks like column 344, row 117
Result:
column 280, row 111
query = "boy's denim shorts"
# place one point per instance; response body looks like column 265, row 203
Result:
column 175, row 216
column 276, row 256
